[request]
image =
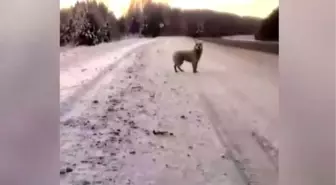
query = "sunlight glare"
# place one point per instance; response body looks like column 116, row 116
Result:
column 256, row 8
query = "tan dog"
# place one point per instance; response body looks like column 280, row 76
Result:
column 193, row 56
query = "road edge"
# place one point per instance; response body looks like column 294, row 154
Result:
column 267, row 47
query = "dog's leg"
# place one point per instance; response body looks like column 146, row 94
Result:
column 179, row 67
column 175, row 68
column 194, row 65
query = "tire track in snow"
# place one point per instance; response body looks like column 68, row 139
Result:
column 67, row 105
column 252, row 163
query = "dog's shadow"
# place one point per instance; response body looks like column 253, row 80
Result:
column 205, row 73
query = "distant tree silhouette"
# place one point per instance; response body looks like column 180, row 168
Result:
column 135, row 26
column 154, row 25
column 269, row 29
column 144, row 28
column 196, row 23
column 122, row 24
column 154, row 17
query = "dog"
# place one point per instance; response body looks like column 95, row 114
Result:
column 193, row 56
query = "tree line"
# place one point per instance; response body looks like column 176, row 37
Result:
column 269, row 28
column 91, row 23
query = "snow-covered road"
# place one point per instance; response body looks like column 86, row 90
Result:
column 80, row 77
column 117, row 97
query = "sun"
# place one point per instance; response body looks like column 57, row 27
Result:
column 119, row 7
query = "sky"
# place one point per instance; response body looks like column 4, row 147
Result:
column 256, row 8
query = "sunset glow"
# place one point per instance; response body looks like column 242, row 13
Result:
column 256, row 8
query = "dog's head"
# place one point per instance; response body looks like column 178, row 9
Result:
column 198, row 46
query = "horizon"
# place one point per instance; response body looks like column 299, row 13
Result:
column 250, row 8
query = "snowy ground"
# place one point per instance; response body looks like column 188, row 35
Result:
column 117, row 97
